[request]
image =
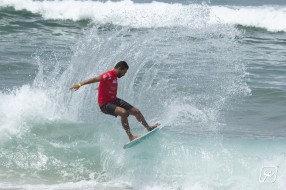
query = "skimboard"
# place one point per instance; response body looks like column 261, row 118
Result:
column 142, row 138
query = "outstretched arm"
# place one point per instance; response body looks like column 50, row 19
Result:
column 88, row 81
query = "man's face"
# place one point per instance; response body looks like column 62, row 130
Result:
column 122, row 72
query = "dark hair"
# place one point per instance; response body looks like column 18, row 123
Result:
column 121, row 65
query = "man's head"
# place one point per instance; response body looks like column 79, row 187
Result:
column 121, row 68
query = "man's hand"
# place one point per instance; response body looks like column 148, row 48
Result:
column 75, row 87
column 88, row 81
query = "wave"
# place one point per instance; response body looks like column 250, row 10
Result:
column 271, row 18
column 156, row 14
column 19, row 108
column 91, row 184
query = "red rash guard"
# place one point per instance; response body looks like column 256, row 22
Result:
column 107, row 89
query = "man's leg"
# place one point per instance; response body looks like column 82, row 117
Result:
column 136, row 112
column 124, row 121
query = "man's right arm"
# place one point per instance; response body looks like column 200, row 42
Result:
column 88, row 81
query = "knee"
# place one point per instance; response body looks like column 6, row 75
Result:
column 124, row 114
column 136, row 111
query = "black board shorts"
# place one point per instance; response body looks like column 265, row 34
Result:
column 109, row 108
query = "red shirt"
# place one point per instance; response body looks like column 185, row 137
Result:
column 107, row 89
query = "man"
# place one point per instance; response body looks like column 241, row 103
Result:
column 108, row 101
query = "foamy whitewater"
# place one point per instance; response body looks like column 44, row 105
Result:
column 212, row 73
column 156, row 14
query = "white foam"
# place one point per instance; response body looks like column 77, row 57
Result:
column 88, row 185
column 125, row 13
column 155, row 14
column 19, row 107
column 268, row 17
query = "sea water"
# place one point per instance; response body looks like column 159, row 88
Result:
column 212, row 72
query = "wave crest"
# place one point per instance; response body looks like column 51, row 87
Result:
column 155, row 14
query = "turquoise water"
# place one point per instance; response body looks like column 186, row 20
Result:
column 213, row 73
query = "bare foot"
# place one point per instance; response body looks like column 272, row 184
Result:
column 134, row 137
column 153, row 126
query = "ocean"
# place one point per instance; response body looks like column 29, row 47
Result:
column 213, row 73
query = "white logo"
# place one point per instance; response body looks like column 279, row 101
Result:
column 268, row 174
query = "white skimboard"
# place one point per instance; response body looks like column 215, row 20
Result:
column 142, row 138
